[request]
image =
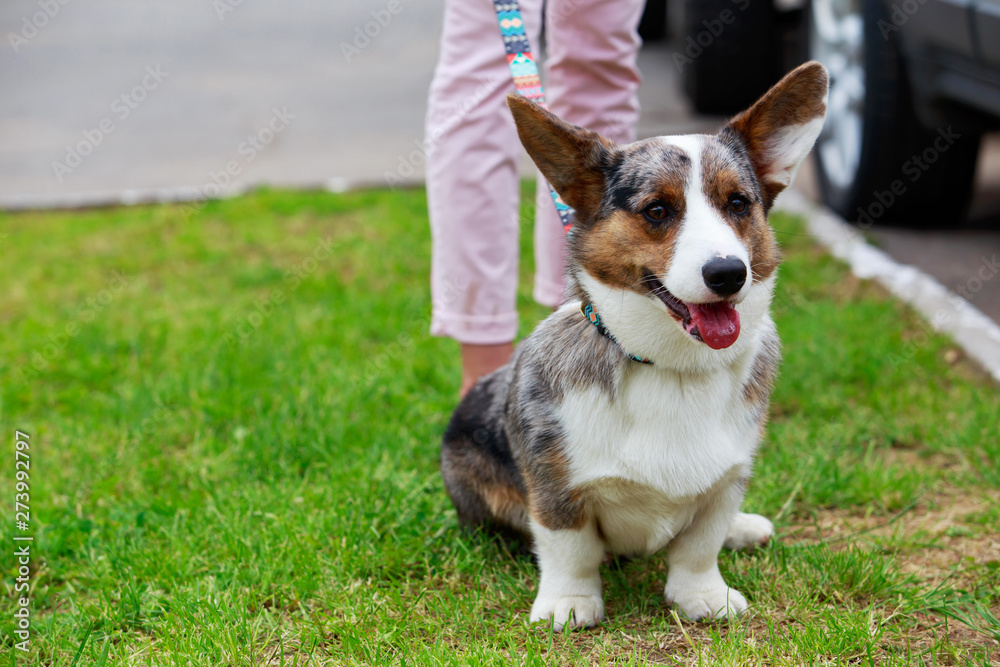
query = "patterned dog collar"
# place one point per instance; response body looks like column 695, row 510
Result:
column 588, row 311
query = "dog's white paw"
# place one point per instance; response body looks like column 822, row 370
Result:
column 722, row 602
column 748, row 531
column 577, row 611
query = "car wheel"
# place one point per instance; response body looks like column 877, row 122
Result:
column 733, row 51
column 876, row 162
column 653, row 24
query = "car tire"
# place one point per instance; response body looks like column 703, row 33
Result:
column 876, row 163
column 733, row 62
column 653, row 24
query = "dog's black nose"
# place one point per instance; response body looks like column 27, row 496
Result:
column 725, row 275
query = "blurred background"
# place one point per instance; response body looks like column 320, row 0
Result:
column 111, row 101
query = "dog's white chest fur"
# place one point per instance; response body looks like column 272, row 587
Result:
column 647, row 458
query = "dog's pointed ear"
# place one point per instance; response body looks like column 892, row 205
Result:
column 570, row 157
column 780, row 129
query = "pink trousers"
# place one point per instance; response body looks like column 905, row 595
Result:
column 590, row 79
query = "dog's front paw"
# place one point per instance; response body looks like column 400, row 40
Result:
column 722, row 602
column 577, row 611
column 748, row 531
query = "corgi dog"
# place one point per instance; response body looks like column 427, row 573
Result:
column 628, row 420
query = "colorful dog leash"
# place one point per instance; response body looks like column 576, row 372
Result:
column 524, row 71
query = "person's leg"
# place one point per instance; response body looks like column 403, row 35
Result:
column 472, row 187
column 591, row 80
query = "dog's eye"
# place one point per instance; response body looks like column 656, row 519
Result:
column 738, row 204
column 656, row 212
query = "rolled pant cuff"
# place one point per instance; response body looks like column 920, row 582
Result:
column 475, row 329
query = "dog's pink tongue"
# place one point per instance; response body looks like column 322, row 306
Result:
column 718, row 323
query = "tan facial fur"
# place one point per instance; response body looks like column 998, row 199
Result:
column 727, row 172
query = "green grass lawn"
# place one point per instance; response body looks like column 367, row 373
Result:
column 235, row 411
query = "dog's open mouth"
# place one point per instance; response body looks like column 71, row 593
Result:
column 716, row 324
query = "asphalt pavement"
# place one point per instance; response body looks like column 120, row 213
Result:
column 116, row 100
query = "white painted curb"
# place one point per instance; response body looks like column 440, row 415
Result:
column 945, row 311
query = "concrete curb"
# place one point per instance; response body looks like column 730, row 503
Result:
column 102, row 199
column 177, row 195
column 945, row 311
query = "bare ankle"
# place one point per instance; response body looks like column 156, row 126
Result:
column 480, row 360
